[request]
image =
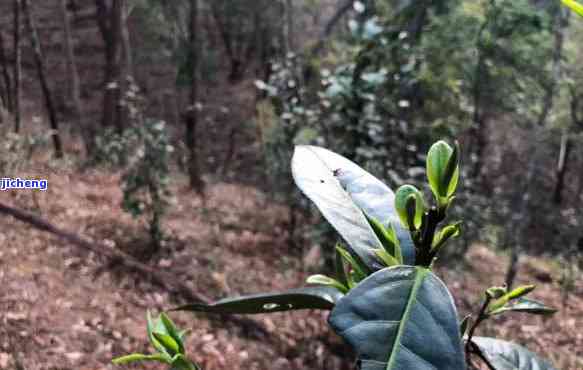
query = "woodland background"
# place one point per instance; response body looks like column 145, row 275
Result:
column 166, row 129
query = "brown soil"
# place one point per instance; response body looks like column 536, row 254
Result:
column 63, row 308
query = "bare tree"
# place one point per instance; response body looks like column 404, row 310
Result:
column 17, row 65
column 6, row 82
column 289, row 30
column 191, row 115
column 72, row 72
column 110, row 22
column 39, row 61
column 562, row 167
column 126, row 42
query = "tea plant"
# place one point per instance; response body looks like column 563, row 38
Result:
column 113, row 149
column 168, row 341
column 385, row 300
column 145, row 182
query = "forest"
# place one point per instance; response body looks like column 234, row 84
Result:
column 291, row 184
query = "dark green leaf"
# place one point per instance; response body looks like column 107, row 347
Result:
column 526, row 305
column 505, row 355
column 401, row 317
column 451, row 175
column 465, row 325
column 323, row 298
column 346, row 189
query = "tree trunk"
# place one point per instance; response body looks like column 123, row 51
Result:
column 72, row 72
column 7, row 88
column 289, row 26
column 126, row 42
column 17, row 66
column 38, row 57
column 477, row 130
column 110, row 21
column 191, row 116
column 562, row 166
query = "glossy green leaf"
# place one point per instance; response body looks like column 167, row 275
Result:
column 135, row 357
column 448, row 232
column 452, row 174
column 328, row 281
column 514, row 294
column 168, row 342
column 340, row 268
column 323, row 298
column 152, row 326
column 356, row 266
column 172, row 331
column 505, row 355
column 340, row 188
column 401, row 317
column 525, row 305
column 387, row 259
column 575, row 6
column 406, row 194
column 388, row 238
column 441, row 180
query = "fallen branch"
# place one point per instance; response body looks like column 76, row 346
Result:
column 163, row 279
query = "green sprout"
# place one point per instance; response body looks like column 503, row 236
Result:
column 168, row 341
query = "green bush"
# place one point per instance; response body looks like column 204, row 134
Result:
column 145, row 180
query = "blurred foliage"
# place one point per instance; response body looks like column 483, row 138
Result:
column 16, row 150
column 145, row 181
column 409, row 73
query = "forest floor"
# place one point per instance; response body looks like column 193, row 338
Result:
column 63, row 308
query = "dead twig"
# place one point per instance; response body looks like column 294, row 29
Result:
column 167, row 281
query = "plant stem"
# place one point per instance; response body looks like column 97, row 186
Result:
column 481, row 317
column 424, row 255
column 478, row 351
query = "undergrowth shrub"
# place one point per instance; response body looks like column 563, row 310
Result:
column 146, row 177
column 143, row 154
column 17, row 149
column 113, row 149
